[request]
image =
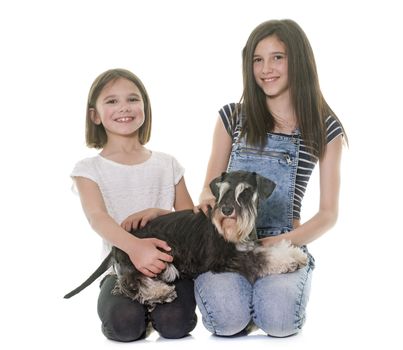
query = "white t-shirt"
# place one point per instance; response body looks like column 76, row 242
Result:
column 127, row 189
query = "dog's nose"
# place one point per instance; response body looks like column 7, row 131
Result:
column 227, row 210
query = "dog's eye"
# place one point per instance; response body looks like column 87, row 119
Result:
column 245, row 195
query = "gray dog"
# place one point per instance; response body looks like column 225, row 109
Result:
column 223, row 241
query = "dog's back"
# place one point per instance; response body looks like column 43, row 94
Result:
column 196, row 245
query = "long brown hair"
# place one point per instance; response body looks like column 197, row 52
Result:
column 309, row 104
column 95, row 135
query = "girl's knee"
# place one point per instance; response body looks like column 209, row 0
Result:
column 225, row 322
column 123, row 333
column 226, row 310
column 124, row 325
column 176, row 319
column 279, row 323
column 175, row 327
column 281, row 331
column 280, row 301
column 229, row 327
column 224, row 318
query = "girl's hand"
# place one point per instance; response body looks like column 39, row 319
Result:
column 272, row 240
column 207, row 200
column 147, row 257
column 140, row 219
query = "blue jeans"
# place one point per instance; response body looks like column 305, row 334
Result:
column 276, row 303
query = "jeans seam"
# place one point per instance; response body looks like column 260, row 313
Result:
column 203, row 300
column 299, row 321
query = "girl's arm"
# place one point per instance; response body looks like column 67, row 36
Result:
column 218, row 162
column 182, row 196
column 143, row 253
column 326, row 217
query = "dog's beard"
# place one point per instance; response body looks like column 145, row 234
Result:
column 246, row 223
column 236, row 229
column 229, row 229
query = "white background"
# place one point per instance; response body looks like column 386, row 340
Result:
column 188, row 54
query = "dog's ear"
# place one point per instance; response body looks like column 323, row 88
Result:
column 215, row 184
column 265, row 187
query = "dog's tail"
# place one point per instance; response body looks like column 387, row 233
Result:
column 97, row 273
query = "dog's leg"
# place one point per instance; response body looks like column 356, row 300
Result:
column 153, row 291
column 146, row 290
column 282, row 257
column 253, row 260
column 170, row 273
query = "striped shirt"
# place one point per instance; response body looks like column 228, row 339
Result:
column 306, row 161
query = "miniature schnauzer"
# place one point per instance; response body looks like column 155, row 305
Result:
column 223, row 241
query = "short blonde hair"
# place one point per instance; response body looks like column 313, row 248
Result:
column 95, row 135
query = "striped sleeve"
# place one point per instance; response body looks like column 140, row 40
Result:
column 226, row 114
column 333, row 128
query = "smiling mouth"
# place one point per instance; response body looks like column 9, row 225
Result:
column 269, row 80
column 124, row 119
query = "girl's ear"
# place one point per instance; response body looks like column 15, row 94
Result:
column 94, row 116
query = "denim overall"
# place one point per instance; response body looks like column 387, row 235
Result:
column 277, row 161
column 276, row 303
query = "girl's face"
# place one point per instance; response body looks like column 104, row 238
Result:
column 120, row 108
column 270, row 66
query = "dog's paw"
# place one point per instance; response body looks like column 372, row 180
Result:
column 283, row 257
column 170, row 273
column 121, row 288
column 166, row 294
column 155, row 291
column 171, row 296
column 300, row 257
column 116, row 291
